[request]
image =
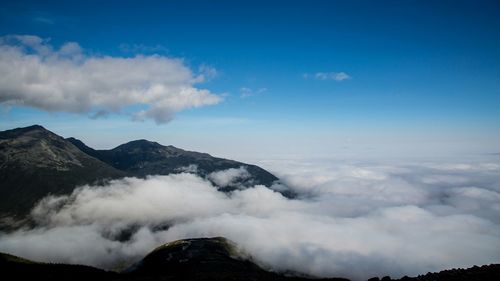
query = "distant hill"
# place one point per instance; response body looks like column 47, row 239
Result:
column 35, row 162
column 200, row 259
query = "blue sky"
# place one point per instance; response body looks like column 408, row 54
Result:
column 422, row 77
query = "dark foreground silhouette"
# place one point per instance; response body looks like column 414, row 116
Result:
column 198, row 259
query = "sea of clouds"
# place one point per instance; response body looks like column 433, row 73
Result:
column 354, row 219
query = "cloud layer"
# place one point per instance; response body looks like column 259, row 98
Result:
column 34, row 74
column 355, row 220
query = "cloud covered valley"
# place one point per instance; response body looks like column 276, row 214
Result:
column 349, row 219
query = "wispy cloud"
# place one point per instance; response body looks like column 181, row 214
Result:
column 45, row 20
column 33, row 73
column 142, row 49
column 207, row 72
column 41, row 17
column 336, row 76
column 246, row 92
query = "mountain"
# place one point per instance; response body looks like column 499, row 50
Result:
column 203, row 259
column 196, row 259
column 35, row 162
column 141, row 157
column 200, row 259
column 189, row 260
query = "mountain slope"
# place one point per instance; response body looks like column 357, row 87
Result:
column 16, row 268
column 35, row 162
column 199, row 259
column 141, row 157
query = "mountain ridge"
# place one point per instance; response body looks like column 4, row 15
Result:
column 35, row 162
column 142, row 157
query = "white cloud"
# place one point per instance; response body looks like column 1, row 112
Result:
column 336, row 76
column 355, row 220
column 191, row 169
column 33, row 73
column 135, row 201
column 248, row 92
column 229, row 177
column 207, row 72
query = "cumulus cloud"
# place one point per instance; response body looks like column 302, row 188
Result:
column 336, row 76
column 33, row 73
column 355, row 220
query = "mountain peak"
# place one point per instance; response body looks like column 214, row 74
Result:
column 217, row 244
column 34, row 127
column 35, row 162
column 214, row 257
column 13, row 133
column 141, row 144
